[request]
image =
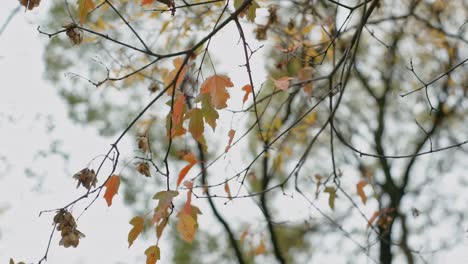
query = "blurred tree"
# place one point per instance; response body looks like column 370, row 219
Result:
column 354, row 137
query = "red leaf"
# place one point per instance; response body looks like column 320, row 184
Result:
column 248, row 90
column 231, row 134
column 112, row 187
column 146, row 2
column 190, row 158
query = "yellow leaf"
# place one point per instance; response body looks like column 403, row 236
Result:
column 84, row 6
column 187, row 227
column 137, row 223
column 196, row 125
column 153, row 254
column 332, row 196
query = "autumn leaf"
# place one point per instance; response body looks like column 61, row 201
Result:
column 178, row 109
column 282, row 83
column 112, row 187
column 331, row 198
column 250, row 10
column 146, row 2
column 137, row 222
column 165, row 200
column 84, row 6
column 153, row 254
column 187, row 227
column 227, row 190
column 196, row 125
column 372, row 219
column 248, row 90
column 143, row 144
column 30, row 4
column 209, row 113
column 231, row 134
column 143, row 168
column 216, row 86
column 360, row 191
column 244, row 234
column 260, row 248
column 190, row 158
column 169, row 78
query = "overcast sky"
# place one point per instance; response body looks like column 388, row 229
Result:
column 33, row 119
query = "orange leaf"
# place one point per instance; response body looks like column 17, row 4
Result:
column 146, row 2
column 169, row 78
column 84, row 6
column 372, row 219
column 188, row 203
column 282, row 83
column 178, row 110
column 153, row 254
column 196, row 125
column 190, row 158
column 112, row 187
column 227, row 190
column 360, row 191
column 248, row 90
column 216, row 86
column 260, row 249
column 137, row 223
column 231, row 134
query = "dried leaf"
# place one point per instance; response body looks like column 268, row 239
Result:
column 143, row 144
column 30, row 4
column 143, row 168
column 137, row 222
column 153, row 254
column 74, row 33
column 360, row 191
column 112, row 187
column 86, row 177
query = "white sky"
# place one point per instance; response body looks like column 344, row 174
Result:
column 28, row 105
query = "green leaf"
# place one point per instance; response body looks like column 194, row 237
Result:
column 209, row 112
column 331, row 198
column 196, row 125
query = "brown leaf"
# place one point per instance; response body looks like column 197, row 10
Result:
column 30, row 4
column 143, row 168
column 152, row 254
column 227, row 190
column 86, row 177
column 231, row 135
